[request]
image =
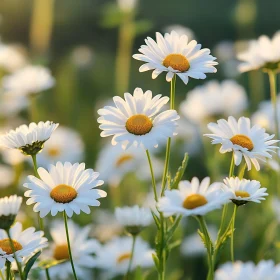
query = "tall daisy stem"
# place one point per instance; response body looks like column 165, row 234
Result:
column 1, row 275
column 8, row 270
column 15, row 257
column 152, row 175
column 69, row 245
column 232, row 233
column 131, row 257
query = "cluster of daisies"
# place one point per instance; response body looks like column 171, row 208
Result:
column 138, row 123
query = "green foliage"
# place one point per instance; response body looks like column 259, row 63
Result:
column 29, row 264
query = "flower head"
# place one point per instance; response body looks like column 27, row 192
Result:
column 252, row 143
column 193, row 198
column 64, row 187
column 175, row 55
column 28, row 139
column 137, row 121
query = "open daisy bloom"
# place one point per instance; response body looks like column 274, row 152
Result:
column 9, row 207
column 262, row 53
column 28, row 139
column 64, row 187
column 25, row 243
column 193, row 198
column 252, row 143
column 82, row 249
column 175, row 55
column 244, row 190
column 136, row 120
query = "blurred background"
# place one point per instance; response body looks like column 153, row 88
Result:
column 88, row 47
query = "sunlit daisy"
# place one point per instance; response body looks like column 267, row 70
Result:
column 64, row 145
column 262, row 53
column 29, row 80
column 193, row 198
column 252, row 143
column 243, row 191
column 114, row 256
column 28, row 139
column 9, row 207
column 64, row 187
column 137, row 121
column 175, row 55
column 25, row 242
column 214, row 99
column 82, row 248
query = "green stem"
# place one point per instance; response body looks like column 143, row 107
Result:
column 69, row 245
column 48, row 274
column 232, row 233
column 152, row 175
column 15, row 257
column 131, row 257
column 8, row 270
column 1, row 275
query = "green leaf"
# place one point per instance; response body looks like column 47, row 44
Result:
column 156, row 260
column 29, row 264
column 142, row 26
column 180, row 172
column 156, row 219
column 112, row 16
column 202, row 236
column 49, row 263
column 174, row 244
column 172, row 229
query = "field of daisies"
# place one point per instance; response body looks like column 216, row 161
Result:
column 149, row 151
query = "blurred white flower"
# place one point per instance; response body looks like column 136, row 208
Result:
column 12, row 156
column 127, row 5
column 214, row 99
column 180, row 30
column 82, row 56
column 114, row 256
column 7, row 175
column 29, row 80
column 64, row 145
column 192, row 245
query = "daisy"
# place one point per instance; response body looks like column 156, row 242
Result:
column 114, row 256
column 262, row 53
column 25, row 243
column 243, row 191
column 137, row 121
column 175, row 55
column 29, row 80
column 252, row 143
column 60, row 148
column 64, row 187
column 134, row 218
column 193, row 198
column 9, row 207
column 214, row 99
column 7, row 176
column 82, row 248
column 28, row 139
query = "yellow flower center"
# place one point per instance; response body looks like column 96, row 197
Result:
column 194, row 201
column 123, row 257
column 242, row 194
column 63, row 193
column 123, row 159
column 139, row 124
column 53, row 152
column 5, row 245
column 177, row 62
column 243, row 141
column 61, row 252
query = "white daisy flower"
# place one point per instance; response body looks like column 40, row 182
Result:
column 82, row 248
column 262, row 53
column 193, row 198
column 175, row 55
column 252, row 143
column 64, row 145
column 265, row 269
column 64, row 187
column 25, row 243
column 29, row 80
column 134, row 218
column 180, row 30
column 7, row 176
column 114, row 163
column 114, row 256
column 137, row 121
column 243, row 191
column 214, row 99
column 28, row 139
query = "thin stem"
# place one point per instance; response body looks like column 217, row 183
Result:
column 232, row 233
column 152, row 175
column 131, row 256
column 15, row 257
column 8, row 270
column 69, row 246
column 48, row 274
column 1, row 275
